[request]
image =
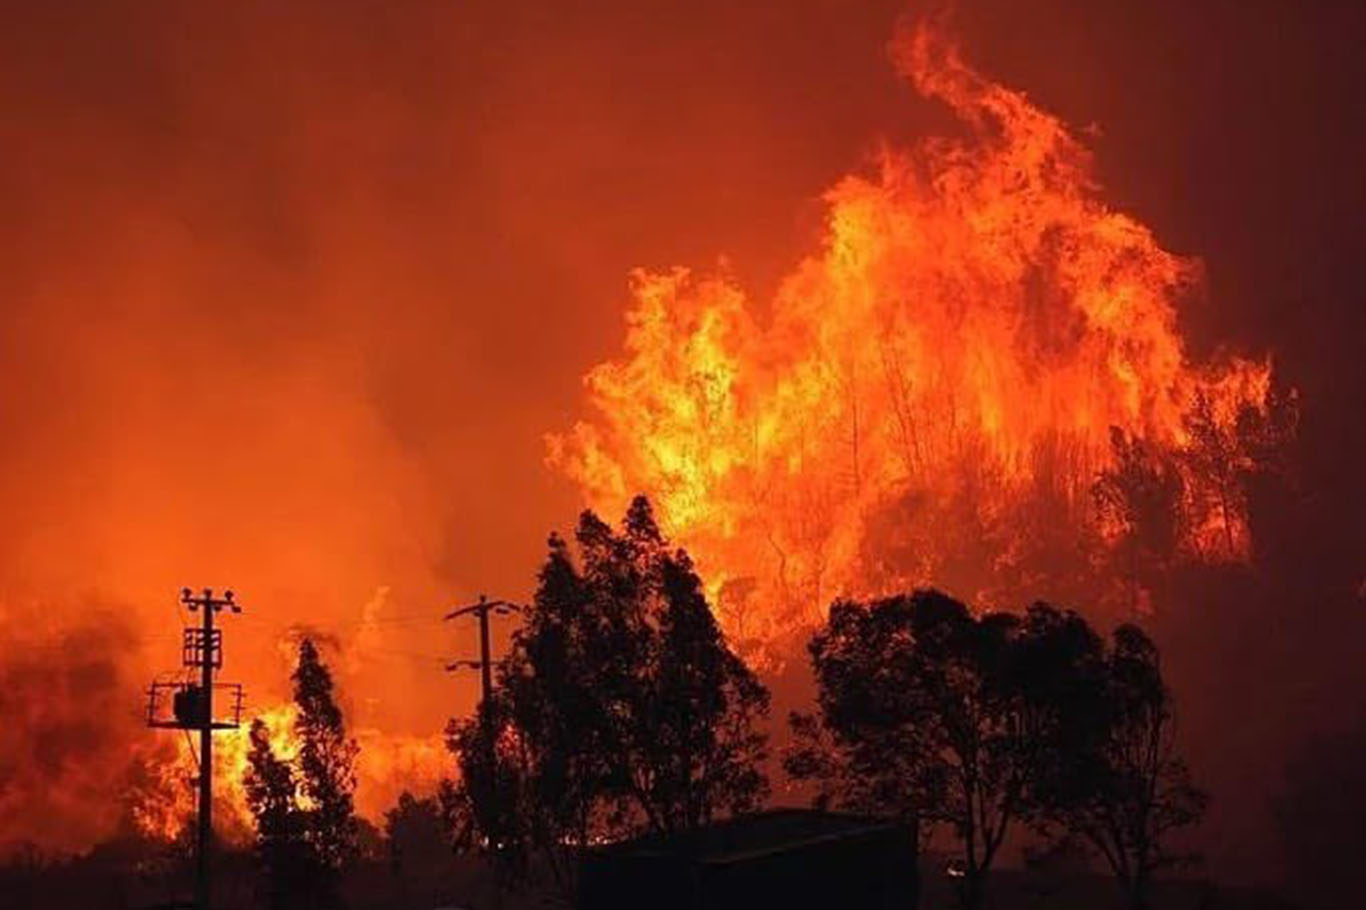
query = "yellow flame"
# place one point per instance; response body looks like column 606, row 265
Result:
column 974, row 323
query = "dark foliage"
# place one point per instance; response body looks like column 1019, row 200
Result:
column 1139, row 499
column 620, row 707
column 326, row 763
column 287, row 864
column 415, row 833
column 418, row 847
column 306, row 826
column 935, row 715
column 1118, row 782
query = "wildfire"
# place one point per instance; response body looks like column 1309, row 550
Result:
column 387, row 764
column 930, row 395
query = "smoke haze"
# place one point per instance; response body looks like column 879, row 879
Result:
column 290, row 297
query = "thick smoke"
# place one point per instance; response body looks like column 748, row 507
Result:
column 67, row 718
column 288, row 297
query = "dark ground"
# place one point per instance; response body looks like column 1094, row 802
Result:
column 124, row 876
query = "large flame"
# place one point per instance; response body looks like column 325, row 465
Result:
column 387, row 762
column 386, row 765
column 928, row 396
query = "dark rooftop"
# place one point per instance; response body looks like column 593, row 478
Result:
column 749, row 836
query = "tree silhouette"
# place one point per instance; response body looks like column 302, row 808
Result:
column 418, row 846
column 1217, row 462
column 286, row 859
column 936, row 716
column 415, row 833
column 867, row 750
column 620, row 706
column 1121, row 785
column 304, row 810
column 511, row 798
column 326, row 763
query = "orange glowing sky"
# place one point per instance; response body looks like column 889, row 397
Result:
column 291, row 297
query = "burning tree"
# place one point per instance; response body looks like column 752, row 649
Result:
column 303, row 804
column 619, row 708
column 1138, row 499
column 930, row 395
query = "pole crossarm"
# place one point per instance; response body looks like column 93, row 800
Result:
column 484, row 664
column 501, row 607
column 482, row 609
column 206, row 600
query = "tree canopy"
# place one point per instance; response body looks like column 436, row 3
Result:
column 304, row 807
column 619, row 708
column 1122, row 787
column 939, row 716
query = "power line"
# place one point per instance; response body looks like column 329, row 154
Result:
column 400, row 619
column 482, row 609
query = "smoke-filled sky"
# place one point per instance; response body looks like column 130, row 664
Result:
column 291, row 294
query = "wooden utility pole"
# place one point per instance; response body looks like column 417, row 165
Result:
column 482, row 609
column 211, row 655
column 485, row 661
column 192, row 709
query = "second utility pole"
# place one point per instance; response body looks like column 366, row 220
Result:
column 485, row 661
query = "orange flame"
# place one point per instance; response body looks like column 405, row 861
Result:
column 974, row 323
column 387, row 764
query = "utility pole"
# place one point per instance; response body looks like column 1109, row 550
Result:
column 482, row 609
column 210, row 654
column 192, row 709
column 485, row 666
column 485, row 661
